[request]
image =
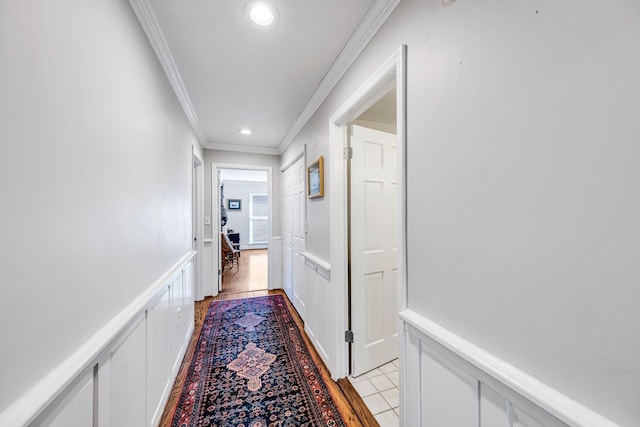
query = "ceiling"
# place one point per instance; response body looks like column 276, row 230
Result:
column 229, row 73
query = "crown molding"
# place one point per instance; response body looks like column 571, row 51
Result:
column 243, row 148
column 149, row 22
column 377, row 14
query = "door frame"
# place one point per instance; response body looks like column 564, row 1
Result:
column 215, row 208
column 391, row 72
column 197, row 218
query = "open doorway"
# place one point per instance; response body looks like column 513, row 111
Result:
column 373, row 298
column 244, row 212
column 372, row 174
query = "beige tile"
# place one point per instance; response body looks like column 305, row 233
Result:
column 392, row 396
column 394, row 378
column 364, row 388
column 389, row 367
column 397, row 411
column 396, row 362
column 376, row 403
column 357, row 379
column 388, row 419
column 381, row 383
column 374, row 373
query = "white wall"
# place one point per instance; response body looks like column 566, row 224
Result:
column 238, row 220
column 523, row 231
column 95, row 178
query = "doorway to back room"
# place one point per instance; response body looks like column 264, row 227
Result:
column 244, row 229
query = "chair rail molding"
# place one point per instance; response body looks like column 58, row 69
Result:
column 317, row 261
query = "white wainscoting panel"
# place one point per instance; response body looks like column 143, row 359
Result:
column 325, row 323
column 126, row 371
column 449, row 396
column 184, row 317
column 73, row 409
column 275, row 263
column 319, row 326
column 493, row 408
column 447, row 381
column 310, row 282
column 127, row 378
column 299, row 284
column 159, row 363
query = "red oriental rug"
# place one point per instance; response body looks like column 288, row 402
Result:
column 251, row 368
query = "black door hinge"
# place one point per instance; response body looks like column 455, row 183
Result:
column 348, row 336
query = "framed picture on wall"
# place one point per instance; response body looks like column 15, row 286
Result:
column 315, row 179
column 234, row 204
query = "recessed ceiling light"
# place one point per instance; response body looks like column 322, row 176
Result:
column 245, row 131
column 261, row 13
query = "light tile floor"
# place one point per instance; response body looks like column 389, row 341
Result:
column 379, row 391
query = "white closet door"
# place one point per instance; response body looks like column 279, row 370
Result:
column 374, row 248
column 294, row 234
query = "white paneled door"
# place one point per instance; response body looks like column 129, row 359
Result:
column 294, row 234
column 374, row 248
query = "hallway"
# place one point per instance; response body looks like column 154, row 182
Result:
column 517, row 289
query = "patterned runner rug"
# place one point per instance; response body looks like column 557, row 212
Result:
column 251, row 368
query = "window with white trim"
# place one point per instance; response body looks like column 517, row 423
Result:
column 258, row 218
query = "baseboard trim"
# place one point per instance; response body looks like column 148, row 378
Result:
column 27, row 408
column 554, row 402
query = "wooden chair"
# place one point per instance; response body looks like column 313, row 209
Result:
column 230, row 254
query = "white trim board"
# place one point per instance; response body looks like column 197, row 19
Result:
column 495, row 369
column 318, row 262
column 391, row 72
